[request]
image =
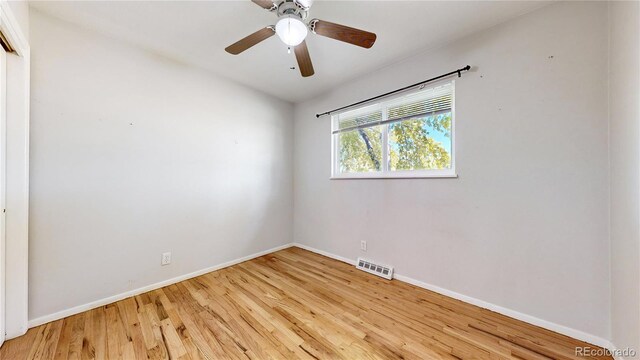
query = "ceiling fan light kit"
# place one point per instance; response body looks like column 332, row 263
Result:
column 292, row 29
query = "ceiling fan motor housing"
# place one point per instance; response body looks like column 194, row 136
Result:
column 292, row 8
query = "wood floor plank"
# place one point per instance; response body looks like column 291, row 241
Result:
column 62, row 348
column 292, row 304
column 77, row 336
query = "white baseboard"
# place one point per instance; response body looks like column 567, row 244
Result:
column 111, row 299
column 327, row 254
column 561, row 329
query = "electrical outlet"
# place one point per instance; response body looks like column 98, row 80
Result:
column 166, row 259
column 363, row 245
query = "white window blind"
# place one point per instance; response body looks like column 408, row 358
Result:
column 431, row 101
column 360, row 118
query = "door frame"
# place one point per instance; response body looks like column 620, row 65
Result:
column 3, row 188
column 17, row 174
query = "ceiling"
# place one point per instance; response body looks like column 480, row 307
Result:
column 197, row 32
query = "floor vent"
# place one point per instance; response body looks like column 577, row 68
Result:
column 375, row 269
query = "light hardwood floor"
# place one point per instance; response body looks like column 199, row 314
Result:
column 289, row 304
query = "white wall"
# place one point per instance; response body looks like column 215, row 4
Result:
column 525, row 226
column 133, row 155
column 624, row 85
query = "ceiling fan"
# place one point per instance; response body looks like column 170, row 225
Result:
column 292, row 28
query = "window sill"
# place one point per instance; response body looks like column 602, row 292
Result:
column 366, row 176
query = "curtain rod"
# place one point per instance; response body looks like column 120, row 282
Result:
column 459, row 72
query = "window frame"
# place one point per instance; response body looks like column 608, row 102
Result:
column 385, row 173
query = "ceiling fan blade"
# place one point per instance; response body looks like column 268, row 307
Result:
column 347, row 34
column 265, row 4
column 304, row 61
column 250, row 40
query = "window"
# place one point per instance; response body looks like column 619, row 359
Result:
column 407, row 136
